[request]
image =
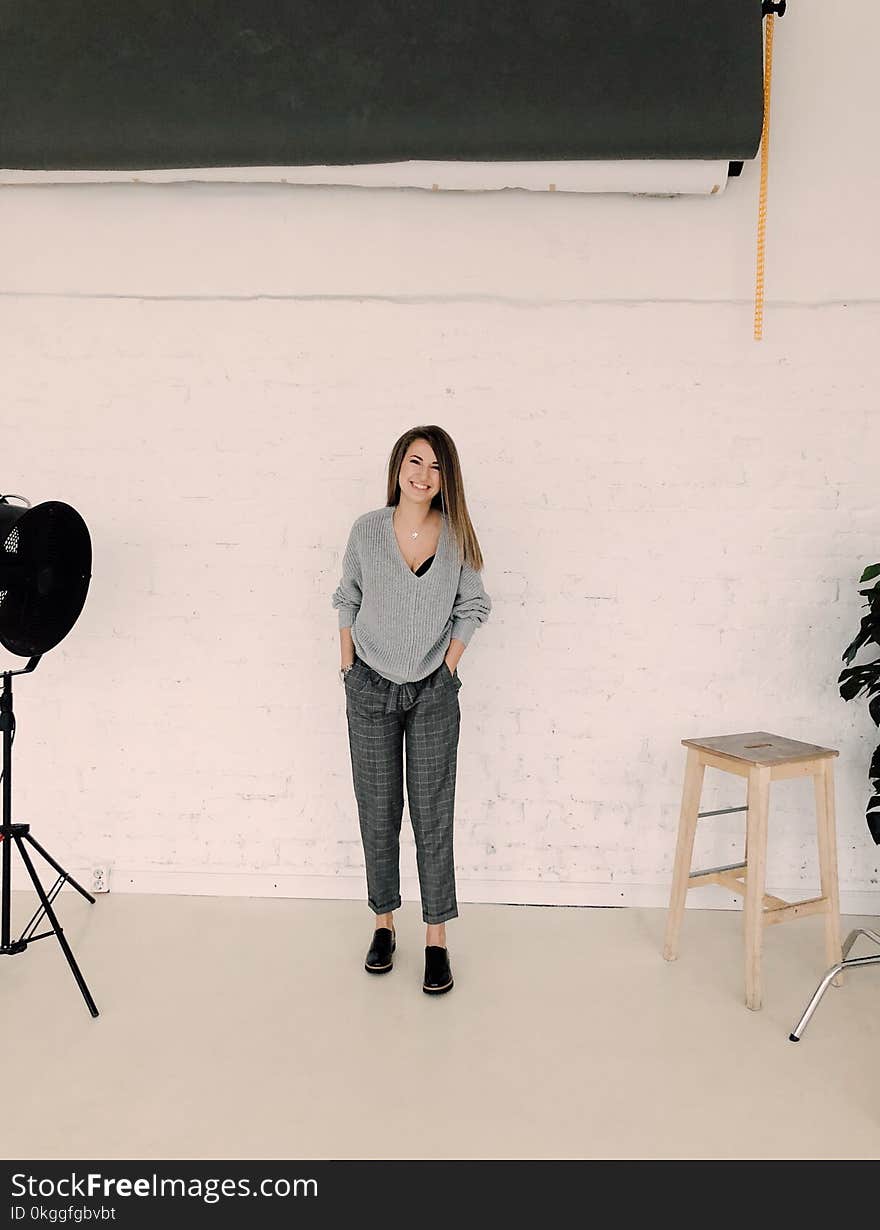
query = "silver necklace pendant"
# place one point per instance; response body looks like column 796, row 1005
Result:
column 412, row 533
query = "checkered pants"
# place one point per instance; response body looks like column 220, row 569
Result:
column 379, row 713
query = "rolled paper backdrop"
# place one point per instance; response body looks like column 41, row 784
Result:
column 335, row 86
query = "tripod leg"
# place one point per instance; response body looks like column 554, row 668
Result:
column 50, row 860
column 848, row 962
column 795, row 1035
column 50, row 914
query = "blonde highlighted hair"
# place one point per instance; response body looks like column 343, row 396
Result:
column 450, row 499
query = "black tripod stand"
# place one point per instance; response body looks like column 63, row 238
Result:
column 20, row 833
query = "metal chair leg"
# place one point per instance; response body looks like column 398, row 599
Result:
column 852, row 963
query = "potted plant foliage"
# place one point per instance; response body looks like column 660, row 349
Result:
column 867, row 678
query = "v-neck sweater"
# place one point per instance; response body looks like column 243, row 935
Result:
column 401, row 623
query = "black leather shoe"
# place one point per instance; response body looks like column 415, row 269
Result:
column 438, row 972
column 379, row 957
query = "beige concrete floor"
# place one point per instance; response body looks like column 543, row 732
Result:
column 247, row 1028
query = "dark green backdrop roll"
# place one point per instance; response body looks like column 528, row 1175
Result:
column 116, row 84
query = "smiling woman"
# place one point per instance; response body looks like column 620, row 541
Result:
column 409, row 600
column 400, row 629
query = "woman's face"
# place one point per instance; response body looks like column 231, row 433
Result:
column 419, row 476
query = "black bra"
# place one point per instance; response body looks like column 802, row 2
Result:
column 424, row 567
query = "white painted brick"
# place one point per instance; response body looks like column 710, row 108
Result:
column 701, row 576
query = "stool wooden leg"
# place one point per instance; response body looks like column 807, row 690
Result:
column 826, row 834
column 756, row 835
column 692, row 790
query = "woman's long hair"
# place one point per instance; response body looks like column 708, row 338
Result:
column 450, row 499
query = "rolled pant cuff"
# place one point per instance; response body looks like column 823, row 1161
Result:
column 440, row 918
column 385, row 909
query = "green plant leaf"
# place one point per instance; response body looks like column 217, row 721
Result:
column 857, row 678
column 866, row 678
column 869, row 630
column 873, row 817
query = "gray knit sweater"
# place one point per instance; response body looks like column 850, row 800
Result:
column 402, row 624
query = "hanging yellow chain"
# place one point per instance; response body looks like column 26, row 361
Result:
column 762, row 195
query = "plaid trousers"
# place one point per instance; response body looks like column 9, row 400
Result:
column 379, row 714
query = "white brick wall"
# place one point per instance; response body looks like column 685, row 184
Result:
column 674, row 517
column 674, row 520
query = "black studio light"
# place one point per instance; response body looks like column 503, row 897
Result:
column 45, row 568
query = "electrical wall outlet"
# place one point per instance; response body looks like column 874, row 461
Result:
column 101, row 879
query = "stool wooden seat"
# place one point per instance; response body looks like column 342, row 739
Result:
column 761, row 758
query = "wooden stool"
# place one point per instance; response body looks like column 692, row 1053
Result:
column 760, row 758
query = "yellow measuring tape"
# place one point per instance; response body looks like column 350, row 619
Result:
column 762, row 195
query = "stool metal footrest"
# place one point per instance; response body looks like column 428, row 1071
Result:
column 775, row 910
column 710, row 872
column 851, row 963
